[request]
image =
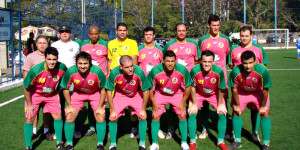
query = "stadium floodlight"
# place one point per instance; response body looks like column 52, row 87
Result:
column 266, row 38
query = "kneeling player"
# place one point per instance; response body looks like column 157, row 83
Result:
column 172, row 84
column 208, row 85
column 41, row 86
column 89, row 81
column 249, row 83
column 131, row 89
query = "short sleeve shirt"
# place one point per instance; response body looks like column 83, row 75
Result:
column 117, row 49
column 66, row 52
column 33, row 59
column 149, row 57
column 169, row 83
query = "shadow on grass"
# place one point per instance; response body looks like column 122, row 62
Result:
column 290, row 57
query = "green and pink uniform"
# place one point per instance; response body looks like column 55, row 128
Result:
column 97, row 52
column 186, row 53
column 149, row 57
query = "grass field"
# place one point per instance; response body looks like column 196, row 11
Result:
column 285, row 116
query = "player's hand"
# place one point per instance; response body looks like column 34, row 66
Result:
column 155, row 109
column 143, row 115
column 182, row 110
column 237, row 109
column 262, row 110
column 100, row 111
column 222, row 109
column 69, row 109
column 113, row 116
column 193, row 109
column 29, row 111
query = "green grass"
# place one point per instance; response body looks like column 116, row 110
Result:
column 285, row 116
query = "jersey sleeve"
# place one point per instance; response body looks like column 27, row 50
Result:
column 29, row 80
column 66, row 80
column 266, row 79
column 193, row 73
column 222, row 84
column 144, row 81
column 28, row 63
column 186, row 75
column 150, row 77
column 109, row 50
column 230, row 55
column 232, row 76
column 265, row 57
column 101, row 76
column 110, row 82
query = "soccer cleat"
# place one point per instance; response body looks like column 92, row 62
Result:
column 223, row 146
column 193, row 146
column 265, row 147
column 54, row 136
column 229, row 137
column 28, row 148
column 185, row 146
column 48, row 136
column 34, row 136
column 204, row 134
column 100, row 147
column 112, row 148
column 89, row 132
column 161, row 134
column 142, row 147
column 69, row 147
column 133, row 133
column 60, row 146
column 154, row 146
column 255, row 138
column 77, row 134
column 235, row 145
column 169, row 135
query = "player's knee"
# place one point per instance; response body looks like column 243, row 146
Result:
column 99, row 118
column 70, row 117
column 29, row 120
column 56, row 116
column 157, row 118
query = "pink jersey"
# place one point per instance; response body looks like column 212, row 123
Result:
column 236, row 51
column 186, row 53
column 97, row 52
column 33, row 59
column 149, row 57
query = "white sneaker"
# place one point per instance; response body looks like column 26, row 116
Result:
column 54, row 136
column 161, row 134
column 154, row 146
column 169, row 134
column 133, row 133
column 77, row 134
column 204, row 134
column 185, row 146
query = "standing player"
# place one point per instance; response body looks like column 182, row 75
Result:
column 32, row 59
column 254, row 39
column 298, row 46
column 89, row 81
column 208, row 85
column 97, row 48
column 76, row 39
column 41, row 86
column 131, row 89
column 249, row 83
column 234, row 59
column 171, row 83
column 220, row 45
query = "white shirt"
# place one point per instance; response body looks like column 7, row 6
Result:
column 66, row 52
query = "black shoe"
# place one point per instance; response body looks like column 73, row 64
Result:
column 100, row 147
column 89, row 132
column 142, row 148
column 34, row 136
column 112, row 148
column 266, row 147
column 235, row 145
column 60, row 146
column 48, row 136
column 69, row 147
column 28, row 148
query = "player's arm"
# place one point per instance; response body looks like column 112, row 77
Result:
column 135, row 59
column 108, row 66
column 221, row 107
column 24, row 74
column 113, row 115
column 235, row 97
column 100, row 109
column 265, row 94
column 29, row 107
column 186, row 95
column 143, row 114
column 69, row 108
column 193, row 108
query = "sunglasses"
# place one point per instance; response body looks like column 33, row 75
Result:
column 65, row 31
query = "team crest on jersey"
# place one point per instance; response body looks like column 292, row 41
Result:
column 126, row 48
column 91, row 82
column 174, row 80
column 213, row 80
column 132, row 82
column 175, row 50
column 221, row 45
column 188, row 51
column 254, row 80
column 208, row 45
column 71, row 49
column 155, row 56
column 55, row 78
column 98, row 52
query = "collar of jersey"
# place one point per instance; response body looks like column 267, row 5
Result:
column 181, row 43
column 216, row 36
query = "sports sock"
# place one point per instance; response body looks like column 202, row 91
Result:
column 58, row 127
column 221, row 127
column 255, row 120
column 91, row 117
column 101, row 129
column 69, row 132
column 113, row 129
column 266, row 129
column 154, row 130
column 204, row 115
column 183, row 130
column 192, row 123
column 28, row 127
column 46, row 130
column 237, row 123
column 34, row 130
column 142, row 132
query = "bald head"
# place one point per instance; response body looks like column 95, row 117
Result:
column 94, row 34
column 125, row 59
column 93, row 28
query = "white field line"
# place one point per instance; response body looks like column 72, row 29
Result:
column 274, row 70
column 12, row 100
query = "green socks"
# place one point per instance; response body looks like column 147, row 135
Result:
column 142, row 132
column 101, row 129
column 69, row 132
column 255, row 119
column 154, row 130
column 237, row 122
column 58, row 127
column 192, row 122
column 266, row 129
column 183, row 130
column 113, row 128
column 221, row 127
column 28, row 127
